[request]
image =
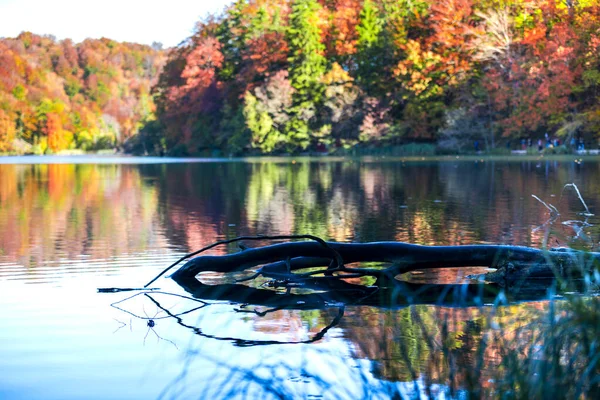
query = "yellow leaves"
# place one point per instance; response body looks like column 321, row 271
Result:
column 19, row 65
column 401, row 69
column 419, row 58
column 417, row 69
column 7, row 131
column 337, row 75
column 320, row 19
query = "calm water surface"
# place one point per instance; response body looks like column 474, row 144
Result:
column 69, row 228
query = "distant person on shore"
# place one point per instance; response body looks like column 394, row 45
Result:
column 476, row 144
column 540, row 146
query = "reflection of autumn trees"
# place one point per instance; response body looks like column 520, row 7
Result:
column 496, row 198
column 390, row 336
column 458, row 347
column 53, row 212
column 198, row 202
column 428, row 203
column 296, row 325
column 434, row 203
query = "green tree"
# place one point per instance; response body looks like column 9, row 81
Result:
column 232, row 34
column 380, row 29
column 307, row 63
column 306, row 67
column 266, row 112
column 369, row 51
column 19, row 92
column 370, row 25
column 260, row 23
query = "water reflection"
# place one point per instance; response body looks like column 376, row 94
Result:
column 56, row 212
column 63, row 212
column 435, row 349
column 60, row 221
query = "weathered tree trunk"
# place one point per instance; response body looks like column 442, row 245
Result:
column 514, row 265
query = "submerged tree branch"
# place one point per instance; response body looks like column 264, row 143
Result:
column 513, row 264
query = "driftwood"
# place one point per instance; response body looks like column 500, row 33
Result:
column 325, row 267
column 513, row 264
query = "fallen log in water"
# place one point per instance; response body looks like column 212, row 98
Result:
column 514, row 266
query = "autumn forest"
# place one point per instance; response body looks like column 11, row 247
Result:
column 337, row 76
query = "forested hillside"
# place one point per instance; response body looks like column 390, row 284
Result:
column 57, row 95
column 284, row 76
column 296, row 75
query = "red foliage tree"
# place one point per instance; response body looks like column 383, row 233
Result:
column 265, row 55
column 341, row 35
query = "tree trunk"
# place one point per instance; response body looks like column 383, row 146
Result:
column 514, row 266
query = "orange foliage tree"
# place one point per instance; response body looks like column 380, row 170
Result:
column 7, row 131
column 95, row 80
column 54, row 131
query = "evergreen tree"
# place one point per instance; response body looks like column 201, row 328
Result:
column 232, row 34
column 369, row 27
column 307, row 66
column 369, row 45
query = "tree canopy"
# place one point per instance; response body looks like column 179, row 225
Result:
column 56, row 95
column 308, row 74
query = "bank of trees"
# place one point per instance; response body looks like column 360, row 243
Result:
column 279, row 76
column 58, row 95
column 289, row 76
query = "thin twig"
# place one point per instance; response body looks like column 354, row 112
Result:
column 116, row 290
column 123, row 324
column 550, row 207
column 574, row 186
column 114, row 305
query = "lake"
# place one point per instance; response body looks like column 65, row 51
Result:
column 71, row 225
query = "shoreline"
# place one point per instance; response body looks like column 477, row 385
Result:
column 121, row 158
